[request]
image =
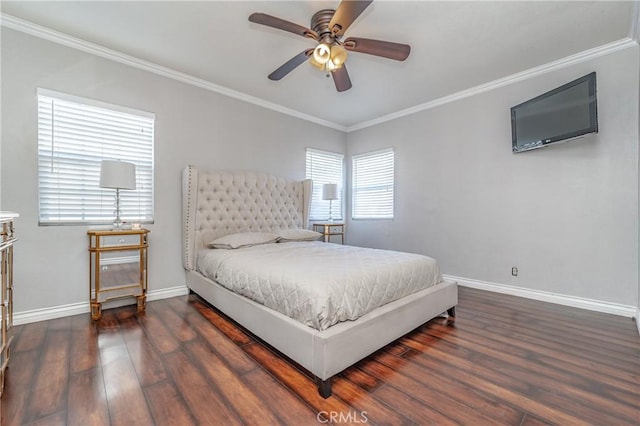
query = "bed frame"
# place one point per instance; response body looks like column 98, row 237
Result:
column 219, row 203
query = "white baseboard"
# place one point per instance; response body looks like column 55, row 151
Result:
column 166, row 293
column 43, row 314
column 544, row 296
column 35, row 315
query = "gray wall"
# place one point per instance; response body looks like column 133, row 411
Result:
column 193, row 126
column 565, row 215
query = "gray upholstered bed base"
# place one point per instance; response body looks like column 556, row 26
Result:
column 324, row 353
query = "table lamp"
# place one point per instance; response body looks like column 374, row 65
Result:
column 117, row 175
column 330, row 192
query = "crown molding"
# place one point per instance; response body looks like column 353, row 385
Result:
column 95, row 49
column 505, row 81
column 30, row 28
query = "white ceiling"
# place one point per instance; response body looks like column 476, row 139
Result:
column 455, row 45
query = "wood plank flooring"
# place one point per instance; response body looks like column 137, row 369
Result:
column 502, row 361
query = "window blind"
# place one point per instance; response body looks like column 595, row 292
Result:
column 372, row 196
column 324, row 167
column 74, row 136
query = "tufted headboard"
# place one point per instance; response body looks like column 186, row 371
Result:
column 218, row 203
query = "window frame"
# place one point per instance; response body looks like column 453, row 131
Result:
column 337, row 205
column 75, row 165
column 390, row 174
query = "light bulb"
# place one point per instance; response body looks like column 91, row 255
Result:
column 322, row 53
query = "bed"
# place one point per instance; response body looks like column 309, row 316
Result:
column 322, row 338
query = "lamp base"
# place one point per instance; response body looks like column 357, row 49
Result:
column 117, row 222
column 330, row 220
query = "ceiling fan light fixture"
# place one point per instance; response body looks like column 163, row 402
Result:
column 328, row 58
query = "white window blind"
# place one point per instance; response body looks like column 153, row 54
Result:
column 372, row 194
column 74, row 136
column 324, row 167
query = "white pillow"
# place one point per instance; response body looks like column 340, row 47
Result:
column 296, row 235
column 243, row 239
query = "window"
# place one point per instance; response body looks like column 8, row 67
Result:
column 74, row 136
column 324, row 167
column 373, row 185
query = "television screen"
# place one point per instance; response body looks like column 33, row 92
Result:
column 561, row 114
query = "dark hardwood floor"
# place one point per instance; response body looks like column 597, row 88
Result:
column 503, row 360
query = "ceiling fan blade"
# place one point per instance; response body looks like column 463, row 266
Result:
column 290, row 65
column 341, row 79
column 281, row 24
column 386, row 49
column 346, row 13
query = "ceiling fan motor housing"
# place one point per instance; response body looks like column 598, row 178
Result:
column 320, row 24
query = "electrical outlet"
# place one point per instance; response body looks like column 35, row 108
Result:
column 514, row 271
column 105, row 268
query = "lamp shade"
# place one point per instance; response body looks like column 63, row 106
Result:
column 330, row 191
column 322, row 53
column 117, row 175
column 338, row 55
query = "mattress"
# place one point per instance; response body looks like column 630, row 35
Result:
column 316, row 283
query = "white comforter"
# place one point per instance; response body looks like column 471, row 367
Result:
column 316, row 283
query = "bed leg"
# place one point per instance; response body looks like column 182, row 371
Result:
column 324, row 387
column 452, row 311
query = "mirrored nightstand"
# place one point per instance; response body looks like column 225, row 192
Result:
column 329, row 230
column 117, row 267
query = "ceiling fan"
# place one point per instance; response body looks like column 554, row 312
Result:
column 327, row 28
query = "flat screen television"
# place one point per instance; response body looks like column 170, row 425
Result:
column 567, row 112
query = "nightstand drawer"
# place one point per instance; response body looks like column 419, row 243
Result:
column 119, row 240
column 335, row 229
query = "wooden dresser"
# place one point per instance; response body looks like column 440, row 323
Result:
column 7, row 239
